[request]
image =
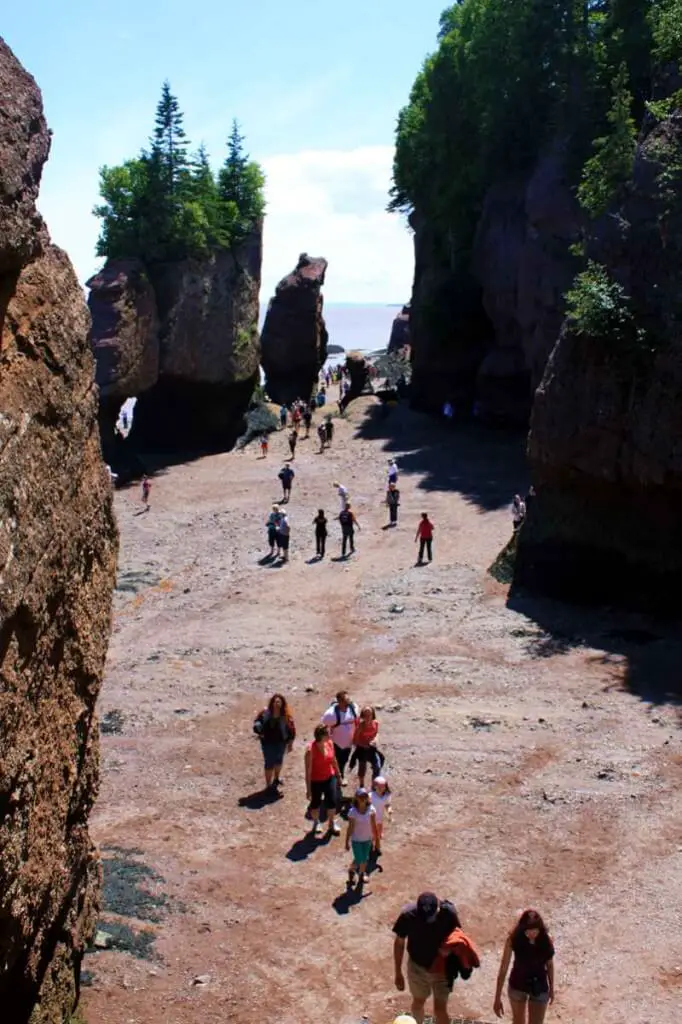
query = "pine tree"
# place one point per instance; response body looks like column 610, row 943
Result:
column 169, row 142
column 240, row 184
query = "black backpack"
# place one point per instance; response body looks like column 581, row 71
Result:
column 337, row 711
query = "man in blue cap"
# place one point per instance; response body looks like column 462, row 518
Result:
column 423, row 927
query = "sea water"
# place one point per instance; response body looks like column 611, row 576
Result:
column 356, row 328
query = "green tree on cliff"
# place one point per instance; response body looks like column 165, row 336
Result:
column 609, row 170
column 166, row 204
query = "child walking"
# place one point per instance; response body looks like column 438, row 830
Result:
column 146, row 490
column 380, row 798
column 264, row 445
column 361, row 835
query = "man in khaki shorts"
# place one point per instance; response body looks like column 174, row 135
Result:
column 423, row 927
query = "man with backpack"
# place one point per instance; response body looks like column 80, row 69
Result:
column 341, row 718
column 348, row 524
column 286, row 476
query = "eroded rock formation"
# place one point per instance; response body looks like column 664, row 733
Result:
column 181, row 337
column 606, row 435
column 294, row 338
column 57, row 567
column 400, row 331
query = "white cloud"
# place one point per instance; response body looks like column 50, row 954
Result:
column 329, row 203
column 332, row 203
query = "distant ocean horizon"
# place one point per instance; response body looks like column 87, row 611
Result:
column 356, row 327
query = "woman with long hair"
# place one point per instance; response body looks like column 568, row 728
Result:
column 531, row 982
column 274, row 726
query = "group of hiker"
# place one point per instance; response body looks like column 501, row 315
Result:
column 429, row 930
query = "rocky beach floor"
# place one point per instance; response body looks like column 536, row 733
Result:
column 534, row 750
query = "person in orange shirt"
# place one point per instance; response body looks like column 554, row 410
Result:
column 322, row 777
column 363, row 740
column 425, row 537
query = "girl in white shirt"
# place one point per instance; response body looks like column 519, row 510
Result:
column 380, row 798
column 361, row 835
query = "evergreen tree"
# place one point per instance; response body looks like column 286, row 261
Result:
column 169, row 142
column 240, row 184
column 607, row 172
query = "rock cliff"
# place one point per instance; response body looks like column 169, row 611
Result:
column 57, row 568
column 183, row 338
column 606, row 435
column 294, row 338
column 400, row 331
column 483, row 324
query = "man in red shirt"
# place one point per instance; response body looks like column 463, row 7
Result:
column 425, row 537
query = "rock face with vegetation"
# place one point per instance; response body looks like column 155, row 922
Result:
column 57, row 558
column 294, row 338
column 195, row 240
column 606, row 435
column 491, row 150
column 400, row 331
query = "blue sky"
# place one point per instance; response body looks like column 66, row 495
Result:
column 316, row 86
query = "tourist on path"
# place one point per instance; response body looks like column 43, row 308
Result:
column 320, row 524
column 518, row 512
column 344, row 496
column 340, row 718
column 364, row 740
column 361, row 835
column 282, row 417
column 293, row 441
column 275, row 729
column 425, row 537
column 392, row 502
column 381, row 802
column 329, row 429
column 264, row 445
column 321, row 779
column 392, row 472
column 348, row 524
column 424, row 926
column 146, row 491
column 322, row 435
column 286, row 476
column 271, row 523
column 531, row 982
column 283, row 535
column 307, row 420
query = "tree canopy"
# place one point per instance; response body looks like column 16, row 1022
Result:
column 167, row 203
column 509, row 76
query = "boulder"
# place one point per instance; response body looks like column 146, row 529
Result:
column 605, row 445
column 294, row 338
column 359, row 373
column 400, row 331
column 57, row 572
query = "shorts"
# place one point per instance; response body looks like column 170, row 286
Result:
column 517, row 996
column 283, row 541
column 320, row 790
column 361, row 850
column 423, row 983
column 273, row 754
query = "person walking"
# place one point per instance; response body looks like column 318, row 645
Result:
column 348, row 524
column 392, row 472
column 361, row 835
column 393, row 503
column 274, row 726
column 425, row 537
column 320, row 524
column 293, row 441
column 518, row 512
column 531, row 982
column 321, row 779
column 286, row 476
column 344, row 496
column 364, row 740
column 283, row 535
column 381, row 802
column 307, row 420
column 146, row 491
column 282, row 417
column 322, row 436
column 329, row 429
column 423, row 927
column 340, row 718
column 264, row 445
column 271, row 524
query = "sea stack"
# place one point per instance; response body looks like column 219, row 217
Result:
column 294, row 337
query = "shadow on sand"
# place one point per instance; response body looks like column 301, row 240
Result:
column 487, row 466
column 260, row 799
column 650, row 651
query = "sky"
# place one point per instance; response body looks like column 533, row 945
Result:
column 315, row 84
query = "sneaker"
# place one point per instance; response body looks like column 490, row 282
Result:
column 334, row 829
column 317, row 829
column 364, row 878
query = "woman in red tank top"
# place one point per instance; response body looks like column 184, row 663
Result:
column 322, row 777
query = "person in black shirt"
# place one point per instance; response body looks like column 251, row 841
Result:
column 424, row 926
column 320, row 524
